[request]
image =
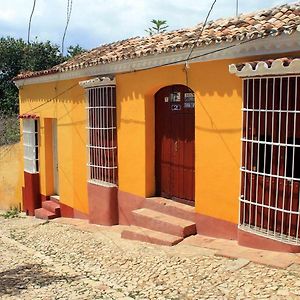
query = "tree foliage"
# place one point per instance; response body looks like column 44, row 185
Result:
column 74, row 50
column 17, row 56
column 158, row 26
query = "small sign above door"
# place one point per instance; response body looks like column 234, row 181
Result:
column 175, row 97
column 189, row 105
column 175, row 107
column 189, row 97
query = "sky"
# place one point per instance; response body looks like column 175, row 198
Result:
column 96, row 22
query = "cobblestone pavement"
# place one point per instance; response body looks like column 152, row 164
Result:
column 53, row 260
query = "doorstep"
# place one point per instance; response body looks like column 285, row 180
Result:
column 231, row 249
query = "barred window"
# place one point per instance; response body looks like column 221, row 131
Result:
column 270, row 173
column 102, row 135
column 30, row 144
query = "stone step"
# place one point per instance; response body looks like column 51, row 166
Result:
column 42, row 213
column 171, row 207
column 54, row 198
column 158, row 221
column 52, row 206
column 150, row 236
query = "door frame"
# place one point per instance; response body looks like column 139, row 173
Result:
column 55, row 165
column 158, row 193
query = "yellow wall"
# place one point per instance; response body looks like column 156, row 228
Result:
column 66, row 103
column 217, row 134
column 10, row 176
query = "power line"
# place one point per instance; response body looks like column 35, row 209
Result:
column 202, row 29
column 69, row 12
column 194, row 57
column 30, row 19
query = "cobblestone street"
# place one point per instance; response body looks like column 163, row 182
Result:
column 58, row 260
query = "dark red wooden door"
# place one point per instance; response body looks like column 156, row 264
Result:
column 175, row 143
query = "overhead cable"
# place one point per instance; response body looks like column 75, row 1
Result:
column 202, row 29
column 30, row 19
column 69, row 12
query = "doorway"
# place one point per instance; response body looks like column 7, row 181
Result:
column 175, row 143
column 55, row 158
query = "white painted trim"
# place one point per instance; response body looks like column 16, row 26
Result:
column 262, row 69
column 270, row 45
column 96, row 82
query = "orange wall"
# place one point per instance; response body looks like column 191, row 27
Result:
column 217, row 136
column 66, row 103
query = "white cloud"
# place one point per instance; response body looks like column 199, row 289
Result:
column 100, row 21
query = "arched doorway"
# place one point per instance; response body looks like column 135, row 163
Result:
column 175, row 143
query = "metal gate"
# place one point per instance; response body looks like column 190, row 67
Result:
column 270, row 171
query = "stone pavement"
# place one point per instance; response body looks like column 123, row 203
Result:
column 70, row 259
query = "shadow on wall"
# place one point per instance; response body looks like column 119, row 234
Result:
column 10, row 176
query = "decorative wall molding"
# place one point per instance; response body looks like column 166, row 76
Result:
column 96, row 82
column 263, row 68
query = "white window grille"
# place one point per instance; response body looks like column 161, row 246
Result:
column 270, row 171
column 30, row 144
column 102, row 135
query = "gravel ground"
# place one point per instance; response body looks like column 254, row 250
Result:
column 51, row 260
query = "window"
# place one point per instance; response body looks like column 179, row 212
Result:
column 102, row 135
column 30, row 143
column 270, row 173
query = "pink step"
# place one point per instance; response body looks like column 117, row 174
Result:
column 172, row 208
column 158, row 221
column 42, row 213
column 150, row 236
column 52, row 206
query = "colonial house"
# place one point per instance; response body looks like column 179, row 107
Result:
column 174, row 134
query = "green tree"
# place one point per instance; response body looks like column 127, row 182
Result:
column 158, row 26
column 17, row 56
column 74, row 50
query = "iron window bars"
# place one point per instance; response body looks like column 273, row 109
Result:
column 102, row 135
column 30, row 144
column 270, row 171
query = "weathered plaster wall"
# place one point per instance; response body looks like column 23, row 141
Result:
column 10, row 176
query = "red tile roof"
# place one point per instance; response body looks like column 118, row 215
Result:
column 270, row 22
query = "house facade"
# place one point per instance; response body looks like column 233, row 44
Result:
column 133, row 122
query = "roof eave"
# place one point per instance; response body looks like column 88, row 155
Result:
column 283, row 43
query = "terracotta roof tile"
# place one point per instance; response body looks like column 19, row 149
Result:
column 275, row 21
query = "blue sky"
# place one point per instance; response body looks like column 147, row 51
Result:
column 101, row 21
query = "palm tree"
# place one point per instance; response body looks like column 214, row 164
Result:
column 159, row 26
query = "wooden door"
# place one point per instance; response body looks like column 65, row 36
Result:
column 175, row 143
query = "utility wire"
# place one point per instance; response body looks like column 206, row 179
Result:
column 194, row 57
column 69, row 12
column 202, row 29
column 30, row 19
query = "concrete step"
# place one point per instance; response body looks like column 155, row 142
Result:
column 171, row 207
column 158, row 221
column 42, row 213
column 52, row 206
column 150, row 236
